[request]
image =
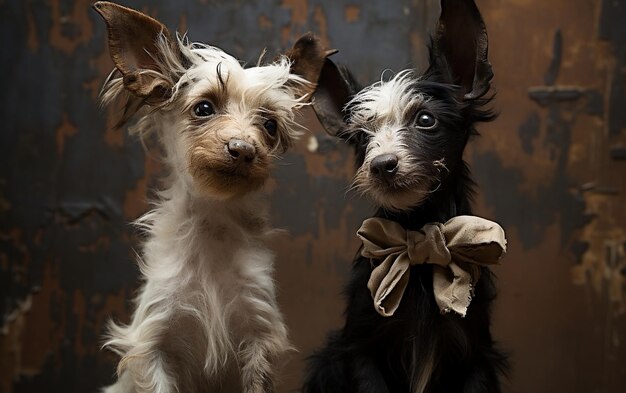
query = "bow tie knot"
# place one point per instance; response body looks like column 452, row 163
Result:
column 428, row 245
column 456, row 249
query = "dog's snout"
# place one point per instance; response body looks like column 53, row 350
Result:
column 241, row 150
column 384, row 166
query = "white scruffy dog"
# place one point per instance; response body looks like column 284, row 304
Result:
column 206, row 318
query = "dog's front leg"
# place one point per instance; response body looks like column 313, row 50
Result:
column 264, row 338
column 482, row 377
column 144, row 363
column 263, row 345
column 256, row 361
column 367, row 376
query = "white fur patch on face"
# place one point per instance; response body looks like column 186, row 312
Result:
column 386, row 102
column 383, row 111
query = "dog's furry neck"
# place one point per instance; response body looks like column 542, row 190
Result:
column 248, row 207
column 453, row 198
column 181, row 214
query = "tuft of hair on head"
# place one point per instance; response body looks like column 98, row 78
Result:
column 392, row 97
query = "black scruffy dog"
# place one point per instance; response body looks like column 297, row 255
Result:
column 409, row 134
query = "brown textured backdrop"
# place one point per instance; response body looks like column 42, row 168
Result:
column 551, row 169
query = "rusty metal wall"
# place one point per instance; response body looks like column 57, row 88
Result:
column 552, row 169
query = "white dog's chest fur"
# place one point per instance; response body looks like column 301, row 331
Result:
column 208, row 292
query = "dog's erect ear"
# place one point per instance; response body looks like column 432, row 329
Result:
column 307, row 58
column 460, row 47
column 332, row 90
column 133, row 39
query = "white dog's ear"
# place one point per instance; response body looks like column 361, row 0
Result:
column 136, row 43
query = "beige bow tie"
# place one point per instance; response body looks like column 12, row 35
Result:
column 457, row 249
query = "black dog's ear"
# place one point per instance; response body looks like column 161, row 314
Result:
column 307, row 57
column 334, row 90
column 460, row 48
column 329, row 89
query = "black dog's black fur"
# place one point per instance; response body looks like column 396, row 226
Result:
column 380, row 354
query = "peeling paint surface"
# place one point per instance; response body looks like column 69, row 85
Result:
column 551, row 169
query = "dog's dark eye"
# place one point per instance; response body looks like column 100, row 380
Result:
column 425, row 120
column 203, row 109
column 271, row 126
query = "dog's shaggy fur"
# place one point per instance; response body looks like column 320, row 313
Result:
column 206, row 318
column 409, row 134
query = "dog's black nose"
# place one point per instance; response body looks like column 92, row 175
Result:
column 384, row 166
column 241, row 150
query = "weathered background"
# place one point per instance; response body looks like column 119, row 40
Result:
column 552, row 169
